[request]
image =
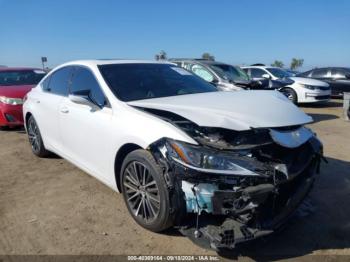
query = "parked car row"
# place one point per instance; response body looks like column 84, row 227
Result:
column 337, row 77
column 300, row 90
column 15, row 83
column 224, row 167
column 227, row 78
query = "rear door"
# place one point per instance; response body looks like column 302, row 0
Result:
column 86, row 131
column 321, row 74
column 339, row 81
column 55, row 89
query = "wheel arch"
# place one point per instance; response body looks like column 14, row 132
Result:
column 293, row 90
column 119, row 158
column 28, row 114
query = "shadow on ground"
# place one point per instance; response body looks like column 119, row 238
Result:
column 328, row 227
column 322, row 117
column 332, row 103
column 19, row 130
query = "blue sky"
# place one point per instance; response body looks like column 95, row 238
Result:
column 237, row 32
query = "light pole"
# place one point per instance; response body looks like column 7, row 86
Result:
column 43, row 61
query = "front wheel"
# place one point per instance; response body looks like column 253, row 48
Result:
column 290, row 94
column 145, row 192
column 35, row 139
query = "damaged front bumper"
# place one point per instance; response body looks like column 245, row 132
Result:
column 219, row 210
column 227, row 231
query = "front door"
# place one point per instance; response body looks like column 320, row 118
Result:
column 84, row 129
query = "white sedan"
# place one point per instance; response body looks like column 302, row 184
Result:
column 303, row 90
column 177, row 148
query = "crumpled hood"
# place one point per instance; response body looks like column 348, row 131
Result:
column 236, row 110
column 309, row 81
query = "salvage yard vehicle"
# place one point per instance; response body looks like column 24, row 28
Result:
column 301, row 90
column 337, row 77
column 15, row 83
column 224, row 76
column 223, row 167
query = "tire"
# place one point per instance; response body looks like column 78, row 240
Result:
column 146, row 194
column 290, row 94
column 4, row 128
column 35, row 139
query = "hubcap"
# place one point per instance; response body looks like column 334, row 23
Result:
column 142, row 194
column 33, row 134
column 289, row 95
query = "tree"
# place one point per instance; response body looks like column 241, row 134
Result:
column 278, row 63
column 296, row 63
column 161, row 56
column 208, row 56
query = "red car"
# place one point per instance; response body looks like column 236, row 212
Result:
column 15, row 83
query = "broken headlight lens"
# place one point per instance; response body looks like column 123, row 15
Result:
column 208, row 160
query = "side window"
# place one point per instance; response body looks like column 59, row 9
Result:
column 178, row 63
column 320, row 73
column 84, row 81
column 187, row 66
column 338, row 73
column 202, row 72
column 59, row 81
column 46, row 83
column 305, row 74
column 256, row 73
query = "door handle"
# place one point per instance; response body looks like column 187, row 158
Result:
column 64, row 110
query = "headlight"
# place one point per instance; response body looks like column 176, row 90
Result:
column 209, row 160
column 309, row 87
column 11, row 101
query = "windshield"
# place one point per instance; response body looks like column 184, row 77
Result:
column 279, row 73
column 21, row 77
column 131, row 82
column 230, row 72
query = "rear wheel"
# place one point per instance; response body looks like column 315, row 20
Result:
column 290, row 94
column 35, row 138
column 145, row 191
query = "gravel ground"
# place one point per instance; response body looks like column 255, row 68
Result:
column 48, row 206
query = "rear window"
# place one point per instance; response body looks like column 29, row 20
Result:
column 21, row 77
column 144, row 81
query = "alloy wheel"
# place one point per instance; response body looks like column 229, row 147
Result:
column 142, row 193
column 34, row 135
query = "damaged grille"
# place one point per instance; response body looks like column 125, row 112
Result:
column 294, row 159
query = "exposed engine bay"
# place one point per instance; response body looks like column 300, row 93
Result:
column 235, row 186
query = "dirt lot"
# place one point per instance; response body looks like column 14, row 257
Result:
column 48, row 206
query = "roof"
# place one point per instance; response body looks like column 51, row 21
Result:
column 332, row 67
column 2, row 69
column 199, row 61
column 96, row 62
column 260, row 67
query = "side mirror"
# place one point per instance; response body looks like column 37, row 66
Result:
column 267, row 76
column 83, row 100
column 347, row 76
column 214, row 82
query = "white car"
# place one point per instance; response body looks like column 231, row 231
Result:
column 303, row 90
column 177, row 148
